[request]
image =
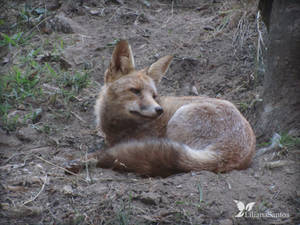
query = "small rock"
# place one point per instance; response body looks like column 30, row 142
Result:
column 194, row 91
column 27, row 134
column 21, row 107
column 61, row 23
column 14, row 188
column 64, row 24
column 94, row 11
column 67, row 189
column 149, row 198
column 21, row 211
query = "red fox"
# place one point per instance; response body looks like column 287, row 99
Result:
column 160, row 136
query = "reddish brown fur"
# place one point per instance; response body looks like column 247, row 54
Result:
column 193, row 133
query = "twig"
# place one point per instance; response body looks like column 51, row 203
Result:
column 200, row 193
column 16, row 154
column 168, row 213
column 78, row 117
column 276, row 164
column 35, row 197
column 275, row 143
column 68, row 171
column 88, row 178
column 260, row 38
column 172, row 11
column 241, row 30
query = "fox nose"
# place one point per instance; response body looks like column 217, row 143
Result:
column 159, row 110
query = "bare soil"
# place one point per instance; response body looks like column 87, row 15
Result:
column 214, row 44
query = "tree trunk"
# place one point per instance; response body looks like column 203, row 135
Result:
column 280, row 111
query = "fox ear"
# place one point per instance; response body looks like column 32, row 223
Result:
column 158, row 69
column 122, row 62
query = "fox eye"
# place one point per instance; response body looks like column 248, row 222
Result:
column 154, row 96
column 135, row 91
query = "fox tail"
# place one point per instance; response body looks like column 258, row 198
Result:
column 158, row 157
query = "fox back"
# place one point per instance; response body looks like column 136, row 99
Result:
column 159, row 136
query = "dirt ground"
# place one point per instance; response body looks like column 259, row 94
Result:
column 215, row 49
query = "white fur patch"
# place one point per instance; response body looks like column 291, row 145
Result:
column 152, row 85
column 205, row 155
column 131, row 56
column 178, row 114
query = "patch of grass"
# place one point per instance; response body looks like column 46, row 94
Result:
column 18, row 85
column 124, row 212
column 180, row 203
column 74, row 81
column 61, row 114
column 69, row 82
column 123, row 218
column 264, row 144
column 286, row 142
column 35, row 72
column 13, row 40
column 30, row 16
column 24, row 83
column 15, row 87
column 243, row 106
column 200, row 194
column 9, row 123
column 289, row 141
column 46, row 129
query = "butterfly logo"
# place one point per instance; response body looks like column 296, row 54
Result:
column 241, row 206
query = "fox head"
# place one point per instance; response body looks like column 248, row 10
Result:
column 133, row 92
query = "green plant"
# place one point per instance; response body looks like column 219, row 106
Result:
column 123, row 214
column 289, row 141
column 264, row 144
column 29, row 15
column 15, row 87
column 75, row 82
column 243, row 106
column 13, row 40
column 18, row 85
column 24, row 83
column 9, row 123
column 51, row 71
column 200, row 194
column 46, row 129
column 180, row 203
column 70, row 83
